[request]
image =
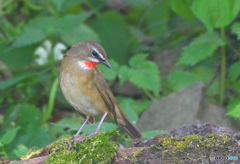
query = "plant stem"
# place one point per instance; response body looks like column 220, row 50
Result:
column 234, row 49
column 4, row 153
column 51, row 100
column 223, row 68
column 149, row 95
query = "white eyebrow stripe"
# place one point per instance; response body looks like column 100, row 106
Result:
column 101, row 56
column 94, row 60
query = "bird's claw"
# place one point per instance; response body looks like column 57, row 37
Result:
column 89, row 136
column 80, row 139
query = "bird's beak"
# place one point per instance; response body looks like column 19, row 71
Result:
column 104, row 62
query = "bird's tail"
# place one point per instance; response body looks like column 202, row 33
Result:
column 121, row 119
column 131, row 129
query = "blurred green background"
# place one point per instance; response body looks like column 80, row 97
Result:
column 156, row 46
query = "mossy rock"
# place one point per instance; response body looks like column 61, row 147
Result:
column 189, row 149
column 99, row 149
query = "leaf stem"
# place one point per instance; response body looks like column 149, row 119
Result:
column 223, row 68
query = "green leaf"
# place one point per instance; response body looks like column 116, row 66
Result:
column 235, row 112
column 232, row 104
column 21, row 151
column 36, row 138
column 62, row 5
column 9, row 136
column 138, row 106
column 113, row 34
column 26, row 37
column 67, row 4
column 123, row 74
column 137, row 60
column 126, row 105
column 205, row 75
column 42, row 26
column 141, row 106
column 201, row 48
column 23, row 56
column 15, row 80
column 143, row 74
column 153, row 133
column 182, row 8
column 88, row 129
column 179, row 79
column 236, row 29
column 216, row 13
column 56, row 130
column 109, row 74
column 140, row 4
column 236, row 86
column 157, row 18
column 105, row 127
column 45, row 23
column 234, row 71
column 32, row 122
column 83, row 32
column 9, row 117
column 18, row 113
column 71, row 22
column 58, row 3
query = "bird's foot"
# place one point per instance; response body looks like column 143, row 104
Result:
column 76, row 138
column 81, row 139
column 89, row 136
column 93, row 134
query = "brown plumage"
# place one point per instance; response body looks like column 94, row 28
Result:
column 85, row 88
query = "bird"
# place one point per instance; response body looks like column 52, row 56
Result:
column 86, row 90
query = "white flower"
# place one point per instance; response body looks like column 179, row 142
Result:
column 57, row 51
column 43, row 56
column 45, row 50
column 47, row 45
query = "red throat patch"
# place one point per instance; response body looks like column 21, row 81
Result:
column 90, row 64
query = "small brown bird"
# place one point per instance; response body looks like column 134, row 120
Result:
column 84, row 87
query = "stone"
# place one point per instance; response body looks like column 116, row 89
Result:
column 187, row 106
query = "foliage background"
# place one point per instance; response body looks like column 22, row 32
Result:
column 201, row 37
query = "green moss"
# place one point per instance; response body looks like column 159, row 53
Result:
column 99, row 149
column 215, row 140
column 191, row 145
column 134, row 156
column 179, row 144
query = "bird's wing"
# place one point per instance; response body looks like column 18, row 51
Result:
column 119, row 116
column 102, row 87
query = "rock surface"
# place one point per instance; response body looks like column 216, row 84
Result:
column 186, row 106
column 200, row 143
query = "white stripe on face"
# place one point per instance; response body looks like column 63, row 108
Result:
column 94, row 60
column 100, row 55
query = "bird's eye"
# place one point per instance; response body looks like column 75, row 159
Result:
column 94, row 53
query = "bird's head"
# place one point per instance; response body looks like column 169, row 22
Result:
column 88, row 54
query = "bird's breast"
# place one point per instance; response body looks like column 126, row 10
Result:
column 79, row 91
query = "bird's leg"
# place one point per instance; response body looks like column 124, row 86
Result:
column 98, row 127
column 75, row 139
